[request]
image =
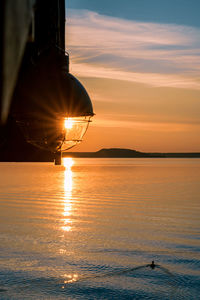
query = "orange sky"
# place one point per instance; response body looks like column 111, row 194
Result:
column 143, row 79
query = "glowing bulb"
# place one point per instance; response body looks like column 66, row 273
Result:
column 68, row 123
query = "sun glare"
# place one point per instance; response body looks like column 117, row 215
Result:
column 68, row 163
column 68, row 123
column 68, row 184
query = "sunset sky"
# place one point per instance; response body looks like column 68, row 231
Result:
column 140, row 63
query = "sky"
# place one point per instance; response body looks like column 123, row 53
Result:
column 140, row 63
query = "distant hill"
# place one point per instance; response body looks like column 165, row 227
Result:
column 128, row 153
column 118, row 152
column 111, row 152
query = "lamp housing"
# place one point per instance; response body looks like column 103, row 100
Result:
column 51, row 106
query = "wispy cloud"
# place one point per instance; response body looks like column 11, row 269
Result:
column 147, row 53
column 148, row 126
column 159, row 80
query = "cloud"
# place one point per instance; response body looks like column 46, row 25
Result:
column 153, row 79
column 152, row 54
column 148, row 126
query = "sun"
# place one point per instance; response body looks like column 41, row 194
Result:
column 68, row 123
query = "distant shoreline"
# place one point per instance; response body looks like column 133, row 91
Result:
column 36, row 155
column 128, row 153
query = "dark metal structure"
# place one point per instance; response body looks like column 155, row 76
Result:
column 38, row 23
column 37, row 92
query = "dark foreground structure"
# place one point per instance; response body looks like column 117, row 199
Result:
column 27, row 28
column 38, row 95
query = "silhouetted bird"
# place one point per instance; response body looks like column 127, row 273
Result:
column 152, row 264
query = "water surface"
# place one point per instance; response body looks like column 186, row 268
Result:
column 87, row 230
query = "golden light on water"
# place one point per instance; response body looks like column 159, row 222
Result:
column 68, row 123
column 69, row 278
column 68, row 185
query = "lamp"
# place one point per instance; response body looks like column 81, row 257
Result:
column 53, row 108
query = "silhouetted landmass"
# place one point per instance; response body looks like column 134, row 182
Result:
column 106, row 153
column 128, row 153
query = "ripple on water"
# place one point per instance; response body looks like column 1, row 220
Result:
column 120, row 216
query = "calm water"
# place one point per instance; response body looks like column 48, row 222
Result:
column 86, row 230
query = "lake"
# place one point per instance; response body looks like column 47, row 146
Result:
column 91, row 228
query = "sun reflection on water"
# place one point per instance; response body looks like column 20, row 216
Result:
column 68, row 185
column 69, row 278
